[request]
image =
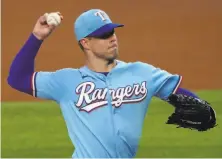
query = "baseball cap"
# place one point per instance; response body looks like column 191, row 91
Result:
column 94, row 23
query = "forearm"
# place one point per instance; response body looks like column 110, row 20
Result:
column 22, row 67
column 186, row 92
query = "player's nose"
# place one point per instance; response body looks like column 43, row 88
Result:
column 113, row 38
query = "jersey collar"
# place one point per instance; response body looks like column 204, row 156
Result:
column 85, row 71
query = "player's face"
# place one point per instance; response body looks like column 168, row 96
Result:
column 105, row 46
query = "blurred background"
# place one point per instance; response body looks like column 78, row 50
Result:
column 180, row 36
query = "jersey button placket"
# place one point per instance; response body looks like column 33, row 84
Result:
column 109, row 86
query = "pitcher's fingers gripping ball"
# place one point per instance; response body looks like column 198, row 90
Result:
column 53, row 18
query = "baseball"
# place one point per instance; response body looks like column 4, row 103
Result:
column 53, row 18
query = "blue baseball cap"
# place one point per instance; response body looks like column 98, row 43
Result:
column 94, row 23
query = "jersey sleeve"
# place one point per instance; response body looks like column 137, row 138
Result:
column 164, row 83
column 45, row 85
column 161, row 82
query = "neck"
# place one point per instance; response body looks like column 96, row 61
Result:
column 100, row 65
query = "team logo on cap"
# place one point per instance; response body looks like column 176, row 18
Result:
column 102, row 15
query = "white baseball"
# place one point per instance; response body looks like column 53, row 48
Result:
column 53, row 18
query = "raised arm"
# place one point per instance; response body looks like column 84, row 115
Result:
column 22, row 71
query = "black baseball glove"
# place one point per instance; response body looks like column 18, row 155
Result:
column 191, row 113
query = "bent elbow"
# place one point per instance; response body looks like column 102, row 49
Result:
column 20, row 83
column 11, row 81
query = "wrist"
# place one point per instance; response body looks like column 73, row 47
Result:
column 33, row 39
column 38, row 37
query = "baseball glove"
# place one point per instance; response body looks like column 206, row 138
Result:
column 191, row 113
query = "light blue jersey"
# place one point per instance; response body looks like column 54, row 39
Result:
column 105, row 114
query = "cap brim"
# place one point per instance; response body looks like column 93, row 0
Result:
column 104, row 29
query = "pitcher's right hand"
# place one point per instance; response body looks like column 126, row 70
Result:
column 42, row 30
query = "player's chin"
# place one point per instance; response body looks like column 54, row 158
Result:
column 112, row 55
column 113, row 52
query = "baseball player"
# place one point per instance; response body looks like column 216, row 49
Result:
column 104, row 102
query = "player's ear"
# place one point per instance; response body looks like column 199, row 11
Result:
column 85, row 43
